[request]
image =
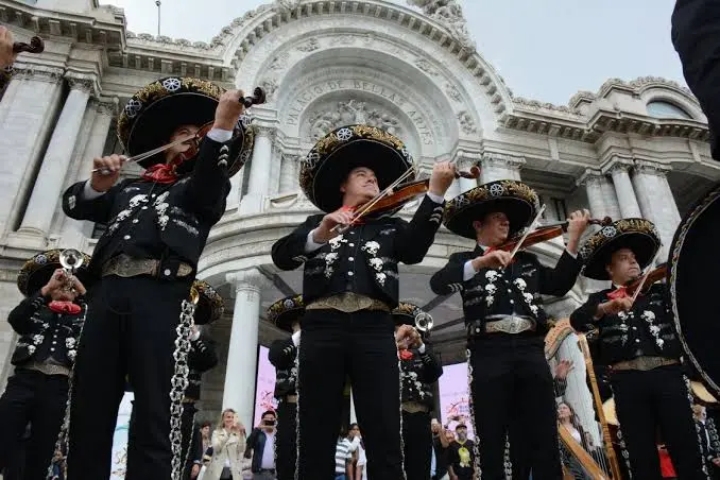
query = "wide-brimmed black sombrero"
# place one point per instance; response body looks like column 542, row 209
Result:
column 153, row 113
column 515, row 199
column 37, row 271
column 284, row 312
column 327, row 165
column 692, row 264
column 637, row 234
column 210, row 306
column 406, row 313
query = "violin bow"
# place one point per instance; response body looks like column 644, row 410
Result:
column 645, row 277
column 528, row 231
column 142, row 156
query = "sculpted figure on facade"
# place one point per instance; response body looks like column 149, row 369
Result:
column 450, row 15
column 270, row 86
column 351, row 112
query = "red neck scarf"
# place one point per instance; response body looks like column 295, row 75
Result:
column 620, row 292
column 161, row 173
column 406, row 354
column 65, row 307
column 358, row 221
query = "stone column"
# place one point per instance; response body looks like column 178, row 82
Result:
column 289, row 173
column 498, row 166
column 74, row 230
column 27, row 113
column 656, row 200
column 240, row 373
column 260, row 170
column 601, row 195
column 625, row 192
column 49, row 183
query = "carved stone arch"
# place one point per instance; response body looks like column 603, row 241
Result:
column 474, row 89
column 673, row 97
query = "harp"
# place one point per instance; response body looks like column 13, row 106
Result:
column 587, row 446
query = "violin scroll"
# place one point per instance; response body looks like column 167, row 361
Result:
column 257, row 98
column 36, row 45
column 473, row 173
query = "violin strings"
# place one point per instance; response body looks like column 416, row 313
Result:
column 142, row 156
column 368, row 206
column 528, row 231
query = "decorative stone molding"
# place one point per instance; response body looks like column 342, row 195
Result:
column 449, row 14
column 38, row 73
column 427, row 67
column 453, row 93
column 503, row 160
column 590, row 177
column 353, row 111
column 467, row 124
column 110, row 108
column 83, row 84
column 264, row 130
column 652, row 168
column 270, row 85
column 618, row 166
column 250, row 280
column 309, row 46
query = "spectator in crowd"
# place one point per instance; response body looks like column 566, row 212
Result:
column 346, row 446
column 228, row 444
column 261, row 445
column 440, row 451
column 461, row 456
column 709, row 441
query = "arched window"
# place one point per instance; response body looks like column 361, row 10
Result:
column 661, row 109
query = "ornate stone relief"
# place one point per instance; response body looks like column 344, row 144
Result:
column 346, row 39
column 426, row 67
column 309, row 46
column 453, row 92
column 652, row 168
column 37, row 73
column 84, row 84
column 279, row 62
column 493, row 159
column 270, row 86
column 449, row 14
column 467, row 124
column 350, row 112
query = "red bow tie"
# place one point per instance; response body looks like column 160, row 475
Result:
column 357, row 221
column 620, row 292
column 161, row 173
column 64, row 307
column 406, row 354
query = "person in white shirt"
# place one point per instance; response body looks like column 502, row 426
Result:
column 262, row 443
column 228, row 443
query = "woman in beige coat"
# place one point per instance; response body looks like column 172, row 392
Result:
column 228, row 442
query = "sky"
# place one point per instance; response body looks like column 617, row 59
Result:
column 545, row 50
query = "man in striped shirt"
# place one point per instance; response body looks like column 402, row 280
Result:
column 344, row 457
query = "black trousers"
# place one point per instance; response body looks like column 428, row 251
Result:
column 39, row 399
column 285, row 440
column 657, row 398
column 362, row 345
column 191, row 440
column 511, row 382
column 417, row 443
column 130, row 330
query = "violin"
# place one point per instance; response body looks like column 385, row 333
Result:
column 644, row 282
column 36, row 45
column 404, row 193
column 545, row 233
column 194, row 140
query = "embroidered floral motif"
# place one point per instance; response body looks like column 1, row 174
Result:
column 492, row 276
column 336, row 242
column 189, row 228
column 31, row 349
column 649, row 317
column 161, row 207
column 71, row 355
column 377, row 264
column 70, row 342
column 329, row 260
column 411, row 383
column 371, row 248
column 528, row 297
column 38, row 339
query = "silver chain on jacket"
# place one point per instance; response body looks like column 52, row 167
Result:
column 179, row 383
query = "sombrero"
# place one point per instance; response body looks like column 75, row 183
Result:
column 518, row 201
column 407, row 313
column 637, row 234
column 284, row 312
column 153, row 113
column 209, row 306
column 37, row 271
column 692, row 261
column 327, row 165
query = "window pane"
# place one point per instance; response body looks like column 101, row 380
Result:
column 666, row 110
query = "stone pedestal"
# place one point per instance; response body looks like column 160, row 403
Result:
column 656, row 201
column 49, row 183
column 620, row 172
column 27, row 113
column 260, row 171
column 497, row 166
column 241, row 370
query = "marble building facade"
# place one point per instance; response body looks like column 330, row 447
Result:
column 633, row 148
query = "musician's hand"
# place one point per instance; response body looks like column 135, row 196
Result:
column 108, row 172
column 613, row 307
column 404, row 335
column 229, row 110
column 56, row 282
column 324, row 232
column 494, row 259
column 716, row 462
column 195, row 471
column 7, row 56
column 77, row 285
column 441, row 178
column 563, row 368
column 577, row 223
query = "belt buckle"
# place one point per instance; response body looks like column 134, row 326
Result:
column 515, row 325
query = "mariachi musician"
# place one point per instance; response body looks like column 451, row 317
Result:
column 637, row 340
column 285, row 314
column 506, row 323
column 350, row 288
column 49, row 321
column 145, row 263
column 419, row 369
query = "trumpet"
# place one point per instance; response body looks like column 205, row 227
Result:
column 424, row 322
column 71, row 260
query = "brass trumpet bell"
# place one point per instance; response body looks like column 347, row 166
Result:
column 71, row 259
column 423, row 322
